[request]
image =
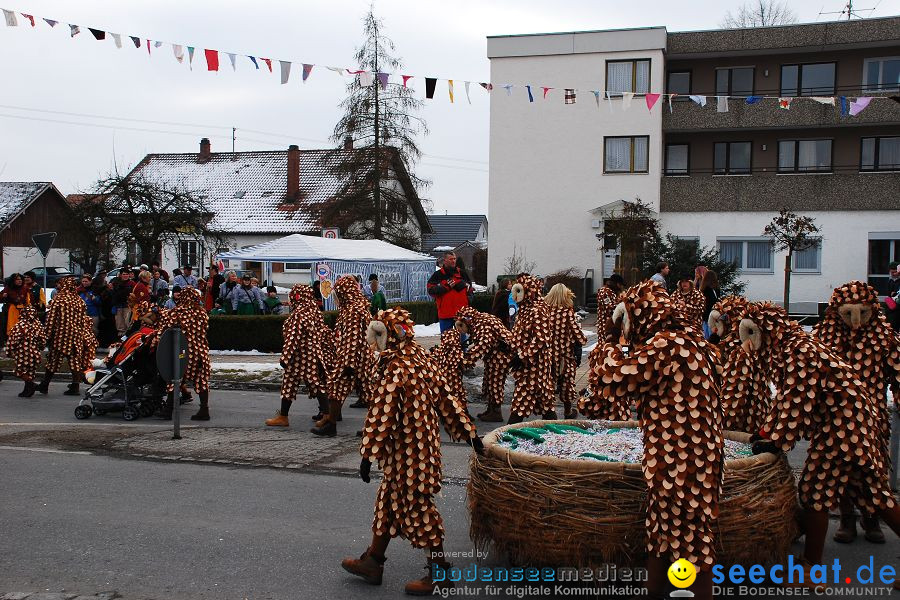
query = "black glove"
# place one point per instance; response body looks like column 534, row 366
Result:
column 516, row 363
column 477, row 445
column 283, row 365
column 460, row 286
column 365, row 467
column 714, row 338
column 576, row 352
column 347, row 372
column 756, row 437
column 761, row 446
column 503, row 347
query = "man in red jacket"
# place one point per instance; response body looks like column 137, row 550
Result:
column 450, row 288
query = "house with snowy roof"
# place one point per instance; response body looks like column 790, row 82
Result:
column 26, row 208
column 258, row 196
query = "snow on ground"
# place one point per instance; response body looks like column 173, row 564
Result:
column 242, row 353
column 246, row 367
column 433, row 330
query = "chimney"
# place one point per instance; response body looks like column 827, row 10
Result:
column 205, row 152
column 293, row 173
column 348, row 143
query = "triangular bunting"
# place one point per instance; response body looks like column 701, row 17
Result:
column 430, row 84
column 268, row 62
column 285, row 71
column 178, row 51
column 136, row 41
column 546, row 89
column 487, row 87
column 651, row 100
column 406, row 79
column 212, row 59
column 468, row 98
column 307, row 69
column 51, row 22
column 722, row 104
column 859, row 105
column 530, row 96
column 74, row 30
column 10, row 18
column 117, row 38
column 232, row 58
column 382, row 79
column 785, row 103
column 30, row 18
column 97, row 33
column 450, row 89
column 753, row 99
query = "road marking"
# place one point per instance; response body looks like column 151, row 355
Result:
column 45, row 450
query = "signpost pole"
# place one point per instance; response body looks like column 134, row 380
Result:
column 176, row 385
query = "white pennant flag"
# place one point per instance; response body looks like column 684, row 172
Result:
column 74, row 30
column 117, row 38
column 721, row 104
column 670, row 102
column 157, row 44
column 467, row 92
column 627, row 97
column 701, row 100
column 609, row 100
column 178, row 49
column 823, row 99
column 10, row 17
column 285, row 71
column 366, row 79
column 232, row 57
column 339, row 70
column 597, row 98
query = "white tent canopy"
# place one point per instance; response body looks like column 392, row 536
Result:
column 402, row 273
column 307, row 248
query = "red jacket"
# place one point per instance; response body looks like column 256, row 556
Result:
column 450, row 291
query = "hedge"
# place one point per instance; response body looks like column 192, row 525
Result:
column 263, row 332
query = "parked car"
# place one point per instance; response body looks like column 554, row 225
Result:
column 54, row 274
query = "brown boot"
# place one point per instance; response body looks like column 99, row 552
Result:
column 203, row 413
column 846, row 533
column 44, row 386
column 366, row 566
column 870, row 525
column 28, row 392
column 279, row 420
column 435, row 579
column 492, row 414
column 325, row 428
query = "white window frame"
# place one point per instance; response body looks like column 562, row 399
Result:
column 866, row 81
column 631, row 169
column 132, row 249
column 389, row 280
column 633, row 61
column 742, row 268
column 198, row 254
column 818, row 268
column 292, row 270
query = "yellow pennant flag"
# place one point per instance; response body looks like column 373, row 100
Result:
column 450, row 84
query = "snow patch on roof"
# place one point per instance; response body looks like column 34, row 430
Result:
column 15, row 195
column 308, row 248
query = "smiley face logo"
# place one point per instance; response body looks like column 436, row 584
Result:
column 682, row 573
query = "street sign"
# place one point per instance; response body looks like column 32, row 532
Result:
column 43, row 242
column 331, row 233
column 171, row 361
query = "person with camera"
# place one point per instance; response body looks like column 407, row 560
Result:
column 449, row 287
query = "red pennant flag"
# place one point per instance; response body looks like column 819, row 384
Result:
column 406, row 78
column 148, row 47
column 546, row 89
column 268, row 62
column 212, row 60
column 651, row 99
column 30, row 18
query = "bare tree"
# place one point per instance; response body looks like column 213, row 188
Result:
column 759, row 13
column 150, row 213
column 634, row 227
column 376, row 175
column 793, row 233
column 518, row 263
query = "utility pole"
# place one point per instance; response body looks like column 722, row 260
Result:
column 233, row 135
column 377, row 191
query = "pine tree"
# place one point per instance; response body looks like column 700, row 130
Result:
column 377, row 177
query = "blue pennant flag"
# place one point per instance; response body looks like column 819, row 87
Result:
column 753, row 99
column 253, row 60
column 530, row 97
column 845, row 106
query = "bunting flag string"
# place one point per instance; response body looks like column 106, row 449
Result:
column 848, row 106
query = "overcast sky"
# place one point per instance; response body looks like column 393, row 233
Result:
column 45, row 70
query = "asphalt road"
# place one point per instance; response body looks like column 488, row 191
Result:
column 88, row 523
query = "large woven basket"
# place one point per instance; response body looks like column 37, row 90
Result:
column 541, row 511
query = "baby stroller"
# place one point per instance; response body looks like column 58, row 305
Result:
column 127, row 381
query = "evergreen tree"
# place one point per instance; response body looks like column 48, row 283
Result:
column 377, row 177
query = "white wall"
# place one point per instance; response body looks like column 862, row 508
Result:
column 546, row 158
column 845, row 248
column 17, row 259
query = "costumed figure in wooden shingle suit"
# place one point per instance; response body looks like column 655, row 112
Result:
column 26, row 341
column 607, row 300
column 855, row 328
column 489, row 342
column 690, row 301
column 746, row 397
column 402, row 432
column 532, row 350
column 190, row 315
column 354, row 357
column 819, row 397
column 567, row 342
column 65, row 330
column 305, row 357
column 448, row 358
column 666, row 366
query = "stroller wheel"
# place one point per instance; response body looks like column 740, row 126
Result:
column 99, row 411
column 83, row 411
column 146, row 409
column 130, row 413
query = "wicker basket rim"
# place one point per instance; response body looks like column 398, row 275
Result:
column 493, row 448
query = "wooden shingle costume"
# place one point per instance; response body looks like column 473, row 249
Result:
column 306, row 356
column 65, row 333
column 402, row 432
column 690, row 303
column 448, row 358
column 353, row 360
column 567, row 340
column 26, row 341
column 489, row 341
column 190, row 315
column 532, row 350
column 820, row 398
column 855, row 328
column 668, row 369
column 746, row 396
column 607, row 299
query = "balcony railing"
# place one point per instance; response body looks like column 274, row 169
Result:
column 804, row 112
column 772, row 192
